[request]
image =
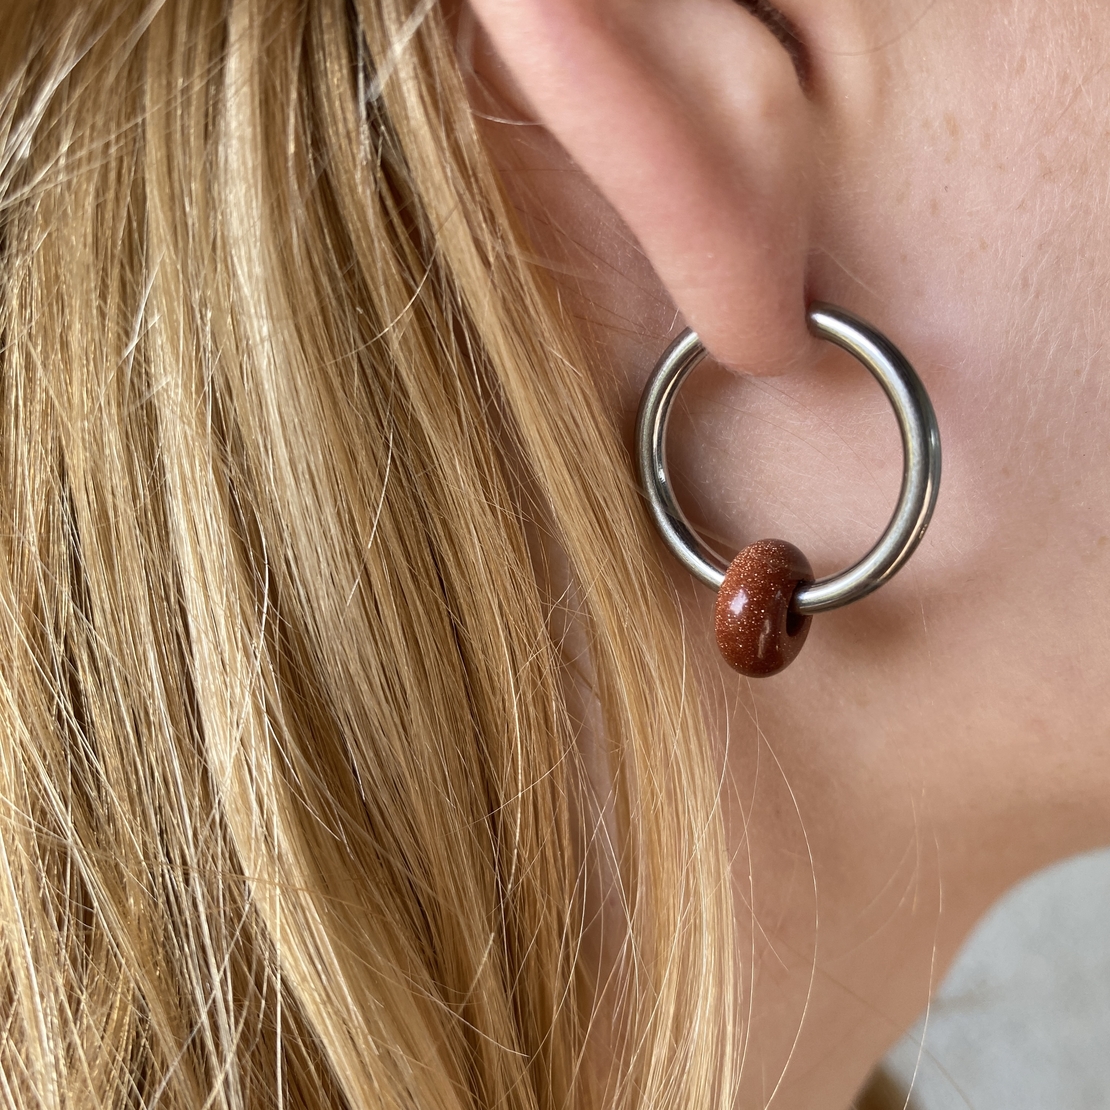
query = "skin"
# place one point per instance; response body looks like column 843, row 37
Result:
column 939, row 169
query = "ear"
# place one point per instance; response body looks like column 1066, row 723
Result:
column 690, row 118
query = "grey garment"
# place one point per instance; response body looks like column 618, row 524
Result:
column 1022, row 1022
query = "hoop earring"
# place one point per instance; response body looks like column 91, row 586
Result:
column 767, row 594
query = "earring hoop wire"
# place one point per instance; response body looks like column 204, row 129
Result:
column 920, row 461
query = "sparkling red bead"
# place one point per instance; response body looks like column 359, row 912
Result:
column 757, row 631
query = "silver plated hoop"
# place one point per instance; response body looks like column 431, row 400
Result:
column 920, row 470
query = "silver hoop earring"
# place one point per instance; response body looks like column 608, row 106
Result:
column 767, row 594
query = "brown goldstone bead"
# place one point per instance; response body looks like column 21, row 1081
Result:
column 757, row 631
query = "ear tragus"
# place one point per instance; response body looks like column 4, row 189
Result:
column 782, row 27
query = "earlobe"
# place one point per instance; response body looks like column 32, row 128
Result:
column 690, row 118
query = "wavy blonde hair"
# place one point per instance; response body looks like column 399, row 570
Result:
column 295, row 811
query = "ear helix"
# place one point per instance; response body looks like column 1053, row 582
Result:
column 766, row 596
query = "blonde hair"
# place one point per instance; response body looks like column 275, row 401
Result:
column 295, row 811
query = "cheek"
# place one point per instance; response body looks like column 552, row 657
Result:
column 967, row 216
column 970, row 210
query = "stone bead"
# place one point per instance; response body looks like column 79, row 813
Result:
column 757, row 631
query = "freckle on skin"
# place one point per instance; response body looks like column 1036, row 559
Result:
column 934, row 206
column 952, row 125
column 982, row 244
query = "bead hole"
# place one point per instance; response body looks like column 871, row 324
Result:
column 795, row 622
